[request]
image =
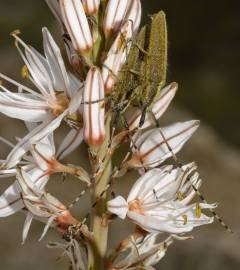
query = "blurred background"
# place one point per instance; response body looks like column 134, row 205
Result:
column 204, row 58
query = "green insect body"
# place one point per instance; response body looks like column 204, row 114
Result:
column 144, row 73
column 129, row 76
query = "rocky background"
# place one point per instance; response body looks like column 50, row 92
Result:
column 204, row 57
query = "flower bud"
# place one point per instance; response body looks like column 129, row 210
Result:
column 77, row 25
column 154, row 146
column 117, row 56
column 158, row 109
column 94, row 110
column 55, row 8
column 91, row 6
column 134, row 14
column 118, row 12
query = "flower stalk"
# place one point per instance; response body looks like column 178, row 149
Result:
column 100, row 227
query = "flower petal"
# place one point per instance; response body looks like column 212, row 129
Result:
column 10, row 201
column 77, row 25
column 56, row 64
column 155, row 225
column 71, row 142
column 31, row 138
column 151, row 148
column 118, row 206
column 26, row 108
column 94, row 108
column 55, row 8
column 26, row 226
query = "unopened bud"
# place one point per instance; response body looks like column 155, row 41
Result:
column 94, row 109
column 91, row 6
column 118, row 12
column 117, row 56
column 77, row 25
column 134, row 14
column 154, row 146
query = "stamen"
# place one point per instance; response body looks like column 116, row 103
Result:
column 185, row 219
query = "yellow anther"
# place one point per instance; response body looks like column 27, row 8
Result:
column 25, row 72
column 198, row 211
column 185, row 219
column 122, row 40
column 180, row 196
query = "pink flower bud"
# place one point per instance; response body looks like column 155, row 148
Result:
column 94, row 110
column 118, row 12
column 91, row 6
column 117, row 56
column 77, row 25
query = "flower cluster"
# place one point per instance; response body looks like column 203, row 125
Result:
column 98, row 36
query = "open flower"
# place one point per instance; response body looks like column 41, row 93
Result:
column 38, row 203
column 144, row 254
column 75, row 252
column 158, row 201
column 60, row 93
column 153, row 147
column 41, row 162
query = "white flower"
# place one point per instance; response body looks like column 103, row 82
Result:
column 38, row 203
column 145, row 254
column 40, row 164
column 75, row 252
column 94, row 108
column 158, row 201
column 60, row 93
column 150, row 148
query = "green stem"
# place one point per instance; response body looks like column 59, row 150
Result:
column 100, row 226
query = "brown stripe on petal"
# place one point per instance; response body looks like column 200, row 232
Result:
column 11, row 203
column 167, row 139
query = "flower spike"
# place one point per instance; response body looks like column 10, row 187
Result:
column 94, row 108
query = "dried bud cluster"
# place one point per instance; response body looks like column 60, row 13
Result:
column 100, row 39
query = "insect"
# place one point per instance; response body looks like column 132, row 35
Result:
column 144, row 73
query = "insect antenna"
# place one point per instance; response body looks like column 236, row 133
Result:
column 179, row 165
